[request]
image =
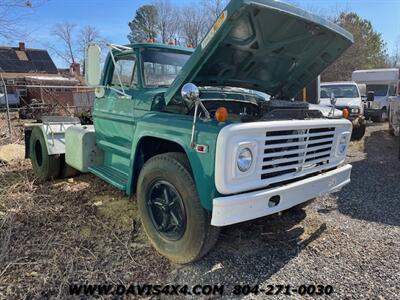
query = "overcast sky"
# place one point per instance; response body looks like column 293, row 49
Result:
column 112, row 17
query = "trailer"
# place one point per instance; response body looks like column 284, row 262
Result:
column 382, row 86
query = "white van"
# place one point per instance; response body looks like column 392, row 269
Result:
column 348, row 96
column 381, row 85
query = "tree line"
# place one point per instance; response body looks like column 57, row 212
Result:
column 166, row 22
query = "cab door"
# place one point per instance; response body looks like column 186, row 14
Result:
column 114, row 121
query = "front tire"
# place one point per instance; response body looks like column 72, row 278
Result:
column 44, row 166
column 172, row 216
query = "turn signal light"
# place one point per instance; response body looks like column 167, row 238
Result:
column 345, row 113
column 221, row 114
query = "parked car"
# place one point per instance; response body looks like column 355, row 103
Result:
column 171, row 126
column 381, row 85
column 347, row 97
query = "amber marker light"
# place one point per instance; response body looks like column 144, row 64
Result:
column 221, row 114
column 345, row 113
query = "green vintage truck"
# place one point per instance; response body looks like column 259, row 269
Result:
column 192, row 133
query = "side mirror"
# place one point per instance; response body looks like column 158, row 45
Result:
column 370, row 96
column 92, row 65
column 190, row 93
column 333, row 99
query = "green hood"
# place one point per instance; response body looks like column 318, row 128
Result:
column 263, row 45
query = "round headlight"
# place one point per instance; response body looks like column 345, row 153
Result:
column 245, row 159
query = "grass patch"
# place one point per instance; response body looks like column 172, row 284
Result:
column 119, row 211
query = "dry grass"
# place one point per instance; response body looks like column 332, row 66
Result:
column 56, row 233
column 66, row 231
column 11, row 152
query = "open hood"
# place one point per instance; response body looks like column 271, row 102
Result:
column 264, row 45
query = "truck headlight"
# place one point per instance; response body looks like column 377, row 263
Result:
column 376, row 105
column 354, row 111
column 244, row 159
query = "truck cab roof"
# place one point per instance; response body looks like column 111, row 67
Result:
column 161, row 46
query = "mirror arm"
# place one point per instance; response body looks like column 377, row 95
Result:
column 192, row 141
column 119, row 48
column 119, row 92
column 119, row 78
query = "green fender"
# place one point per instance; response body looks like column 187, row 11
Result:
column 178, row 130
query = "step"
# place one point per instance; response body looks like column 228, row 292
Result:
column 111, row 175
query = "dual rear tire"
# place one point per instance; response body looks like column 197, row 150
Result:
column 45, row 166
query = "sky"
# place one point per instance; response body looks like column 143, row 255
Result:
column 111, row 17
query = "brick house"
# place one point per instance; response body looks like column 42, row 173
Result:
column 31, row 75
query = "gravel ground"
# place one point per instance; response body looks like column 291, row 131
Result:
column 350, row 239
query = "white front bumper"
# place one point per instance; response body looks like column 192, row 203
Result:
column 243, row 207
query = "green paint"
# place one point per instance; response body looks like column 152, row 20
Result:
column 263, row 45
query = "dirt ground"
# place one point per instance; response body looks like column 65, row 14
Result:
column 84, row 231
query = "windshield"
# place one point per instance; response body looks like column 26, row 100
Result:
column 378, row 89
column 340, row 91
column 162, row 66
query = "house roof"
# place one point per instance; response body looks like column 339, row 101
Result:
column 26, row 61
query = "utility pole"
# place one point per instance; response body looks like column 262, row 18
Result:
column 7, row 106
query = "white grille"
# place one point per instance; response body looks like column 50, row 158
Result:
column 283, row 151
column 296, row 151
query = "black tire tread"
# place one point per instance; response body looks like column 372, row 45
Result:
column 213, row 231
column 51, row 165
column 208, row 236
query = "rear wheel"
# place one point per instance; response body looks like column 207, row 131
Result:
column 382, row 117
column 44, row 166
column 172, row 216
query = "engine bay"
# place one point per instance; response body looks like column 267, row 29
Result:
column 245, row 111
column 244, row 106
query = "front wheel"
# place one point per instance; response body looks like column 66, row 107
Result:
column 172, row 216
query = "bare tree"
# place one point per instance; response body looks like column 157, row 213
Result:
column 167, row 21
column 87, row 34
column 193, row 24
column 394, row 59
column 12, row 14
column 64, row 32
column 213, row 8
